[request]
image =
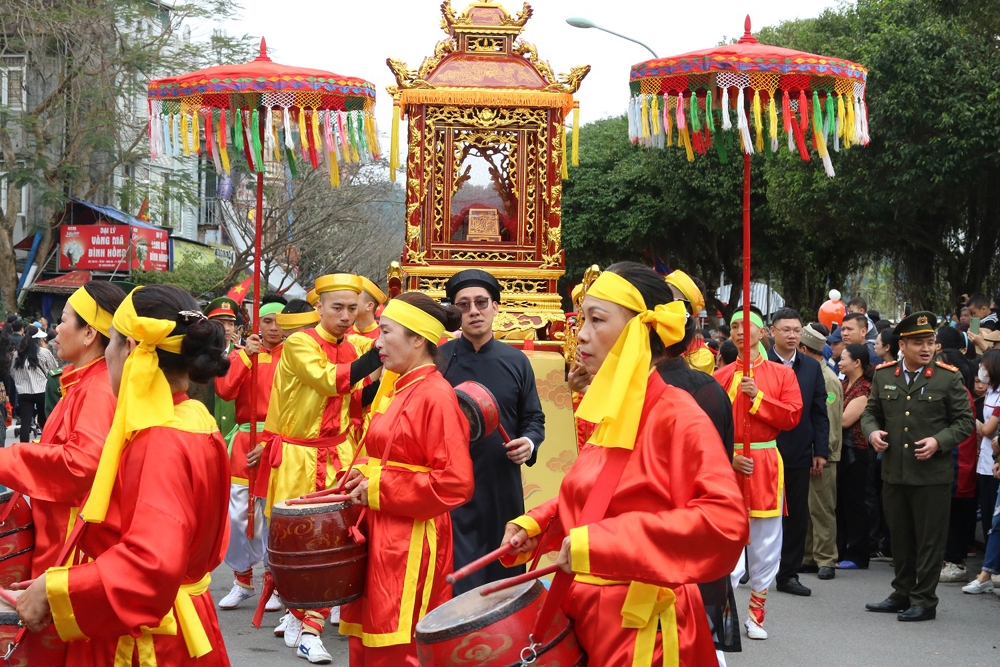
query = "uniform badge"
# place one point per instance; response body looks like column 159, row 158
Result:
column 890, row 387
column 830, row 397
column 922, row 321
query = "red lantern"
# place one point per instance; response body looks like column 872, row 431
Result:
column 832, row 312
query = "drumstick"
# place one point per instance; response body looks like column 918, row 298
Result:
column 479, row 563
column 343, row 480
column 8, row 597
column 331, row 498
column 503, row 433
column 21, row 585
column 519, row 579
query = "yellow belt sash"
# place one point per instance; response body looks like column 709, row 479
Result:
column 183, row 614
column 646, row 608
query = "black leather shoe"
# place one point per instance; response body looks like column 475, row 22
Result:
column 826, row 573
column 794, row 587
column 888, row 606
column 745, row 578
column 808, row 569
column 916, row 613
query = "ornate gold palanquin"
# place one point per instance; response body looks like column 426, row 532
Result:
column 485, row 105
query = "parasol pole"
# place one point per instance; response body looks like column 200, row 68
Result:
column 258, row 222
column 747, row 365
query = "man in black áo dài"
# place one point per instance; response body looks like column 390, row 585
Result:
column 478, row 526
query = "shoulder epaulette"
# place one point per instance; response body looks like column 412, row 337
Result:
column 886, row 364
column 953, row 369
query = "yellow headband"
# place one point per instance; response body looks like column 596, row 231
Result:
column 617, row 393
column 373, row 290
column 312, row 298
column 414, row 319
column 87, row 308
column 296, row 320
column 338, row 281
column 144, row 398
column 683, row 282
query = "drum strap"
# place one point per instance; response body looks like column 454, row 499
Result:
column 594, row 510
column 10, row 507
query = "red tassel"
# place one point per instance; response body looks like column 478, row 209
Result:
column 803, row 110
column 800, row 140
column 313, row 155
column 208, row 134
column 786, row 112
column 697, row 144
column 265, row 594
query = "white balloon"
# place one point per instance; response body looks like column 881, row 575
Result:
column 834, row 295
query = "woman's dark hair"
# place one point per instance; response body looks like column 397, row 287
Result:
column 449, row 316
column 889, row 341
column 882, row 325
column 27, row 350
column 954, row 357
column 296, row 306
column 991, row 362
column 108, row 296
column 202, row 354
column 655, row 290
column 859, row 352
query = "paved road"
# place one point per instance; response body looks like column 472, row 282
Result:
column 828, row 629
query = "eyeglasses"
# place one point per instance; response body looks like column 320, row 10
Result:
column 786, row 332
column 482, row 303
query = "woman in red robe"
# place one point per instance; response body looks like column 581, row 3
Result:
column 155, row 522
column 676, row 516
column 419, row 469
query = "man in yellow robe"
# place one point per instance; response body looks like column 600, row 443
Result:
column 313, row 422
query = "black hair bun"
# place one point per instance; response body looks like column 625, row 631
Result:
column 204, row 350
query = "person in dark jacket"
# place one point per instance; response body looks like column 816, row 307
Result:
column 804, row 449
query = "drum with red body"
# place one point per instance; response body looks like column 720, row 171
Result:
column 480, row 407
column 314, row 560
column 37, row 650
column 17, row 540
column 474, row 629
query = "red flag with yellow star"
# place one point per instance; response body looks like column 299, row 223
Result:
column 239, row 293
column 143, row 213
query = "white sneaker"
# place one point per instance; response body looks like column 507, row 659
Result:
column 293, row 630
column 754, row 631
column 335, row 616
column 311, row 648
column 975, row 587
column 995, row 578
column 237, row 595
column 273, row 603
column 952, row 573
column 279, row 631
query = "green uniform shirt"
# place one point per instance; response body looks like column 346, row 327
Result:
column 936, row 405
column 834, row 410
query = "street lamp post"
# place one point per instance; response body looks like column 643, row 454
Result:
column 587, row 23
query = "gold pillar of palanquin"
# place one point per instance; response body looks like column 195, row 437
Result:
column 485, row 105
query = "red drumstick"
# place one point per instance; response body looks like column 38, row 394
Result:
column 21, row 585
column 479, row 563
column 519, row 579
column 8, row 597
column 330, row 498
column 503, row 433
column 343, row 480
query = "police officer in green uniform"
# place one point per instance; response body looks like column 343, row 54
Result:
column 917, row 413
column 223, row 310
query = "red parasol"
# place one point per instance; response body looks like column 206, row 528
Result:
column 695, row 93
column 267, row 112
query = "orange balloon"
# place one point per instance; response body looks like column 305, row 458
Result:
column 832, row 312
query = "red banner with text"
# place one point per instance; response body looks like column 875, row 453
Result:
column 107, row 247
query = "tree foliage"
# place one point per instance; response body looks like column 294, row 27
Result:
column 82, row 112
column 199, row 278
column 921, row 199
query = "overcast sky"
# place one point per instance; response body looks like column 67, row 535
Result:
column 354, row 37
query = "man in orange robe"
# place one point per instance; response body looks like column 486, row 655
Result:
column 763, row 405
column 244, row 553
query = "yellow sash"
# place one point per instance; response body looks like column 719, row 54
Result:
column 183, row 614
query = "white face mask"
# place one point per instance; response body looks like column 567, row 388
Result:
column 984, row 377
